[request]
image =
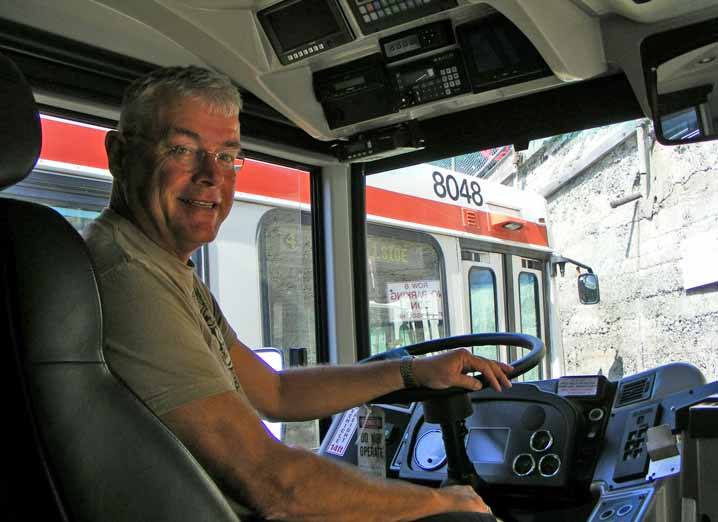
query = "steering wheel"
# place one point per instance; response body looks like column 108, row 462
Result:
column 523, row 365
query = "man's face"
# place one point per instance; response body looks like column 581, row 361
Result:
column 177, row 206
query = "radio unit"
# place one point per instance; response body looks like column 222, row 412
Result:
column 355, row 91
column 417, row 40
column 429, row 79
column 375, row 15
column 298, row 29
column 381, row 143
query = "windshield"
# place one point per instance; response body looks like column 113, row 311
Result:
column 486, row 226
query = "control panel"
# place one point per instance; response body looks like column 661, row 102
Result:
column 430, row 79
column 425, row 64
column 417, row 41
column 376, row 15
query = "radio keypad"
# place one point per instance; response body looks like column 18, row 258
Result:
column 433, row 79
column 376, row 15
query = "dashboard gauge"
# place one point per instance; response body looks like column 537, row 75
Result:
column 541, row 440
column 430, row 453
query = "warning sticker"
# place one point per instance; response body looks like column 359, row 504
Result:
column 340, row 440
column 371, row 442
column 577, row 386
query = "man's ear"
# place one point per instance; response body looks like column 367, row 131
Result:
column 115, row 147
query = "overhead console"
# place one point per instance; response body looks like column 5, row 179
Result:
column 426, row 64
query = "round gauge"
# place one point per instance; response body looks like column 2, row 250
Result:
column 429, row 453
column 595, row 415
column 541, row 440
column 524, row 464
column 549, row 465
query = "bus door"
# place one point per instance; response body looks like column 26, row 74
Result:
column 484, row 294
column 528, row 299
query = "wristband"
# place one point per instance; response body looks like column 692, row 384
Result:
column 406, row 368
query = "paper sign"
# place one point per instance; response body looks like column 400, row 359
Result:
column 416, row 300
column 371, row 450
column 340, row 440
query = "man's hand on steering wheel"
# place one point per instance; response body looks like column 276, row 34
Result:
column 450, row 368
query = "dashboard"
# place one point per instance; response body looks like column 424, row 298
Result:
column 573, row 448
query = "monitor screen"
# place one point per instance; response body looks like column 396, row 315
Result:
column 496, row 51
column 299, row 23
column 487, row 445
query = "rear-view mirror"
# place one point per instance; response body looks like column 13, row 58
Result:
column 681, row 70
column 588, row 291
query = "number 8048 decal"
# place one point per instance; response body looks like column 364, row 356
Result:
column 448, row 186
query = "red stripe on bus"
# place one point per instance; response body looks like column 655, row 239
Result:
column 402, row 207
column 85, row 146
column 274, row 181
column 73, row 144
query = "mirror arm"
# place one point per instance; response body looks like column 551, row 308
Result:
column 561, row 261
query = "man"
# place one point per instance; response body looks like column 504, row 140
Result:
column 172, row 160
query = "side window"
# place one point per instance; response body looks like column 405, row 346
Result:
column 77, row 217
column 286, row 274
column 405, row 286
column 261, row 269
column 529, row 312
column 483, row 308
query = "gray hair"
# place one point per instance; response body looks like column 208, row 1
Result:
column 143, row 97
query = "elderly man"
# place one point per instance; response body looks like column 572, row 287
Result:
column 173, row 163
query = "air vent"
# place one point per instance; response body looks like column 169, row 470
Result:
column 470, row 218
column 636, row 390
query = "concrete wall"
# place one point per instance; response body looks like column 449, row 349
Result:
column 646, row 317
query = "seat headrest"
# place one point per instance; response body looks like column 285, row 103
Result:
column 20, row 134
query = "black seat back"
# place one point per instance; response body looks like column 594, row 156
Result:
column 83, row 446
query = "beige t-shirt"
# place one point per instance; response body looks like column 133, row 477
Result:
column 165, row 335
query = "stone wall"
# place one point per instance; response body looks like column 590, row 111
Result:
column 645, row 317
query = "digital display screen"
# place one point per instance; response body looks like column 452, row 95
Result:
column 302, row 22
column 411, row 77
column 496, row 46
column 485, row 54
column 487, row 445
column 401, row 46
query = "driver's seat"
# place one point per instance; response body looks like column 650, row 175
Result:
column 77, row 443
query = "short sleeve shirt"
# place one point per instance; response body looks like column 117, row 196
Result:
column 165, row 334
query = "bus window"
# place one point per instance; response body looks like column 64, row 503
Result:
column 405, row 286
column 475, row 225
column 482, row 306
column 77, row 217
column 286, row 271
column 529, row 313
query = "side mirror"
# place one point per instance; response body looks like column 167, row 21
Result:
column 588, row 291
column 681, row 71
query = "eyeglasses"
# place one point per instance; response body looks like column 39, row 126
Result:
column 192, row 158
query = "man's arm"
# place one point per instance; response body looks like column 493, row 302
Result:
column 315, row 392
column 284, row 483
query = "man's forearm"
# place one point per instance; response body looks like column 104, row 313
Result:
column 311, row 393
column 300, row 486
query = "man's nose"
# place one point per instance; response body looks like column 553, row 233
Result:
column 207, row 171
